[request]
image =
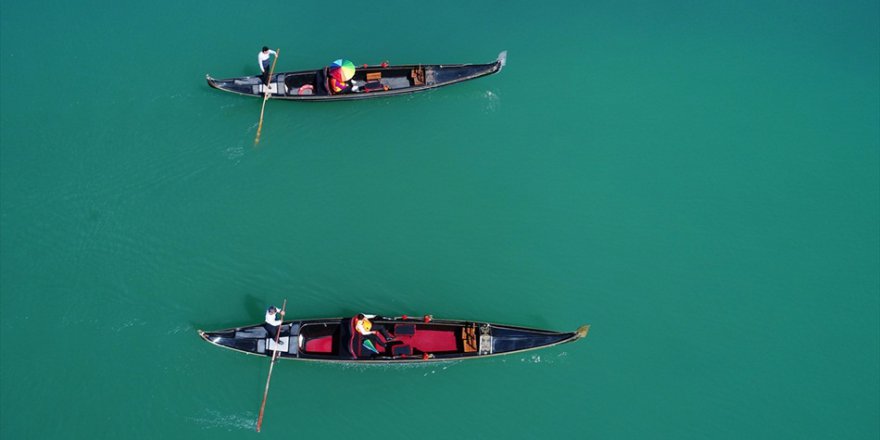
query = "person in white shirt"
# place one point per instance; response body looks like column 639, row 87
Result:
column 272, row 323
column 265, row 64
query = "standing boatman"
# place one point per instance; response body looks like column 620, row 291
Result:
column 272, row 323
column 263, row 59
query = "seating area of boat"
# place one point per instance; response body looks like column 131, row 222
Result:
column 361, row 82
column 412, row 339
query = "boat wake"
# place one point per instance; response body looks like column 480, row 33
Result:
column 234, row 153
column 435, row 369
column 130, row 323
column 213, row 419
column 186, row 329
column 492, row 101
column 433, row 366
column 537, row 359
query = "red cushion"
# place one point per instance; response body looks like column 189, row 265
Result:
column 429, row 341
column 324, row 344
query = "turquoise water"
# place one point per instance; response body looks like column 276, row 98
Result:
column 698, row 181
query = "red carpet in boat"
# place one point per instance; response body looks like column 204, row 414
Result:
column 427, row 341
column 323, row 344
column 431, row 341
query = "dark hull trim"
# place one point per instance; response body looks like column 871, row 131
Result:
column 326, row 340
column 386, row 81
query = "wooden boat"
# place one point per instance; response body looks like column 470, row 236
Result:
column 372, row 81
column 414, row 340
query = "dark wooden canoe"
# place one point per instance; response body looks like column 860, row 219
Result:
column 372, row 81
column 415, row 340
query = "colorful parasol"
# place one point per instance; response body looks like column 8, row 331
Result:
column 342, row 70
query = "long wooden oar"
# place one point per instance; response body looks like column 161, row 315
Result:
column 266, row 98
column 271, row 365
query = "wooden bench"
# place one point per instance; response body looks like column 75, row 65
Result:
column 469, row 339
column 375, row 76
column 418, row 76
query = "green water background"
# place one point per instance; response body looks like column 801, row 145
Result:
column 700, row 181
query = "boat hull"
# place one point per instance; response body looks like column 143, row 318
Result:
column 373, row 81
column 414, row 340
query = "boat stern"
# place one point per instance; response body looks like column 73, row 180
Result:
column 204, row 336
column 211, row 81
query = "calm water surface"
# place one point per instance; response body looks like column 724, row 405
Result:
column 700, row 182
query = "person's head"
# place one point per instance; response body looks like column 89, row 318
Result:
column 265, row 49
column 272, row 309
column 361, row 316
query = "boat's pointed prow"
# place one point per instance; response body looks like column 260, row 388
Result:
column 502, row 58
column 582, row 331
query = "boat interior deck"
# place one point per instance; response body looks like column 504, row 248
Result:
column 408, row 339
column 369, row 79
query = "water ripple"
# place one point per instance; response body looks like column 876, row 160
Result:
column 213, row 419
